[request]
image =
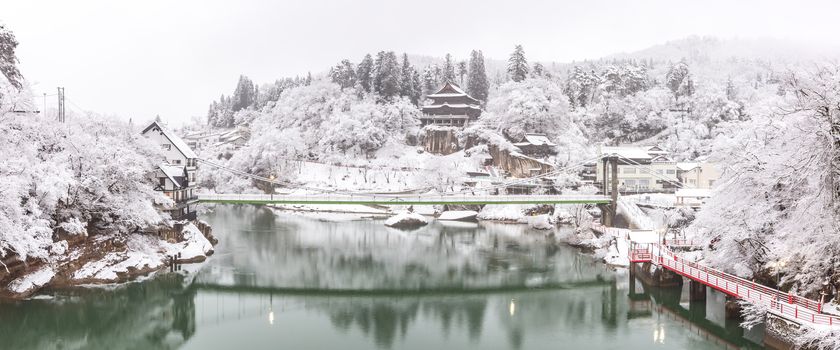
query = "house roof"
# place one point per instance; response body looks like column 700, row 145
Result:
column 176, row 141
column 537, row 140
column 175, row 173
column 454, row 105
column 450, row 89
column 626, row 152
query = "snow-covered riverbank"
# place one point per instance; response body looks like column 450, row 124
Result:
column 105, row 259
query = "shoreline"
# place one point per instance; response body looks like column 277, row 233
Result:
column 104, row 260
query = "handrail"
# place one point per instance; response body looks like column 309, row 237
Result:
column 784, row 304
column 391, row 198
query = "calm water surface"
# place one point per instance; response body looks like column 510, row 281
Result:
column 281, row 281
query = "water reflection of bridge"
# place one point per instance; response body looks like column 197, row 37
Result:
column 671, row 303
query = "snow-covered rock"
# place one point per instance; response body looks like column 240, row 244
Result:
column 458, row 215
column 406, row 220
column 539, row 222
column 32, row 281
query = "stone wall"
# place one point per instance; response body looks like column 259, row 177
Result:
column 516, row 164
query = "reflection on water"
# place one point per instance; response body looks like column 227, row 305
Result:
column 284, row 281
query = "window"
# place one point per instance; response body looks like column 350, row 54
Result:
column 629, row 170
column 162, row 182
column 671, row 171
column 692, row 182
column 176, row 161
column 644, row 183
column 166, row 146
column 629, row 182
column 659, row 171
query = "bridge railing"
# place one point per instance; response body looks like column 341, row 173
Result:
column 785, row 304
column 366, row 198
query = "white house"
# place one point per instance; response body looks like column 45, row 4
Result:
column 640, row 169
column 175, row 175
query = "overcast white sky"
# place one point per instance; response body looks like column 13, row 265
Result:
column 142, row 58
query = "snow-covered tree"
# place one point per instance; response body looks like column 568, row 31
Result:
column 462, row 72
column 448, row 69
column 364, row 73
column 244, row 96
column 517, row 68
column 8, row 59
column 477, row 85
column 679, row 80
column 344, row 74
column 776, row 207
column 534, row 105
column 581, row 86
column 387, row 75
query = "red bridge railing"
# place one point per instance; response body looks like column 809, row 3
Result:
column 785, row 304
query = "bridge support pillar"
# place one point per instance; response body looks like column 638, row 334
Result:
column 733, row 308
column 607, row 215
column 696, row 291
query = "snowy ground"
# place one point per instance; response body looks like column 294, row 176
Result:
column 142, row 254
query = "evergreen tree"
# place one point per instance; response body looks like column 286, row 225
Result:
column 462, row 71
column 364, row 74
column 343, row 74
column 538, row 70
column 429, row 80
column 517, row 68
column 387, row 75
column 416, row 87
column 448, row 69
column 244, row 95
column 8, row 59
column 406, row 73
column 308, row 79
column 477, row 85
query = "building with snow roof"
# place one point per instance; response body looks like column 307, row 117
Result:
column 641, row 169
column 175, row 175
column 450, row 106
column 701, row 175
column 536, row 145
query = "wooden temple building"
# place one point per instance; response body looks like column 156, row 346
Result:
column 450, row 106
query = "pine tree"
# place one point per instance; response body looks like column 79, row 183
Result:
column 517, row 68
column 477, row 85
column 406, row 73
column 364, row 74
column 243, row 96
column 308, row 79
column 429, row 80
column 462, row 71
column 387, row 75
column 448, row 69
column 416, row 87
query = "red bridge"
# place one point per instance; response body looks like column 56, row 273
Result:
column 784, row 304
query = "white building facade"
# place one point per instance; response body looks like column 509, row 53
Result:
column 175, row 176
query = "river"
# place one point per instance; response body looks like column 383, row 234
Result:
column 296, row 282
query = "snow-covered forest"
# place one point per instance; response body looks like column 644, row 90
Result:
column 62, row 183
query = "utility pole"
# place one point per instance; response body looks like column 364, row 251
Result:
column 61, row 104
column 45, row 105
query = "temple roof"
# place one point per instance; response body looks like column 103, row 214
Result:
column 450, row 89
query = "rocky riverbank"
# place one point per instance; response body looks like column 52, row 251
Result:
column 103, row 259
